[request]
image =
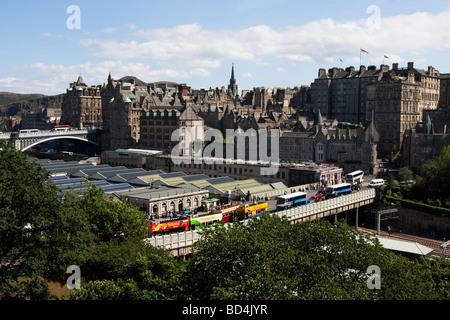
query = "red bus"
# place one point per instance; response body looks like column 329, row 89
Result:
column 171, row 225
column 61, row 127
column 227, row 210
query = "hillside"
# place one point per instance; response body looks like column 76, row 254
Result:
column 29, row 105
column 10, row 97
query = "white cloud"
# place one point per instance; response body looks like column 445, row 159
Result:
column 247, row 75
column 281, row 69
column 323, row 41
column 51, row 35
column 110, row 30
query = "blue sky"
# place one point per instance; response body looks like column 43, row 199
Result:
column 271, row 43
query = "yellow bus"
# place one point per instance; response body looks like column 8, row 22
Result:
column 252, row 209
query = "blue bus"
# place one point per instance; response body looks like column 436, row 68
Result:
column 338, row 190
column 292, row 200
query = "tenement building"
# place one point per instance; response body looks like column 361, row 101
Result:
column 82, row 106
column 397, row 102
column 124, row 102
column 341, row 93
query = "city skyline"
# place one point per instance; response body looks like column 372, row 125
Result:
column 272, row 44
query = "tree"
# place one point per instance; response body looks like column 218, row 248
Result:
column 130, row 270
column 34, row 229
column 436, row 173
column 404, row 174
column 271, row 258
column 43, row 230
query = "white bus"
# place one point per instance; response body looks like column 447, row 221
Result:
column 292, row 200
column 338, row 190
column 355, row 177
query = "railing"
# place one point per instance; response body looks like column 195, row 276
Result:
column 175, row 240
column 5, row 136
column 327, row 205
column 49, row 133
column 188, row 238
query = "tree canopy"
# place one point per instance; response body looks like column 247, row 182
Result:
column 271, row 258
column 43, row 230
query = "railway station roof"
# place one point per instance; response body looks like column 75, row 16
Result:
column 407, row 248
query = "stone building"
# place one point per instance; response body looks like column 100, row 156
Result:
column 397, row 101
column 159, row 123
column 124, row 102
column 82, row 106
column 157, row 201
column 348, row 146
column 424, row 142
column 341, row 93
column 444, row 94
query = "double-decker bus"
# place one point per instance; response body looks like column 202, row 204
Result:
column 355, row 177
column 292, row 200
column 201, row 221
column 165, row 226
column 338, row 190
column 228, row 211
column 61, row 127
column 251, row 209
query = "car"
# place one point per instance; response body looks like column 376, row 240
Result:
column 318, row 197
column 376, row 183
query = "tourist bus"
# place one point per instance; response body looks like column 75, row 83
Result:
column 61, row 127
column 251, row 209
column 170, row 225
column 355, row 177
column 338, row 190
column 292, row 200
column 201, row 221
column 228, row 211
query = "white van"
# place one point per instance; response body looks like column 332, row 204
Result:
column 376, row 183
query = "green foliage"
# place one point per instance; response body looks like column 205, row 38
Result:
column 273, row 259
column 436, row 176
column 30, row 217
column 44, row 230
column 419, row 206
column 134, row 270
column 404, row 174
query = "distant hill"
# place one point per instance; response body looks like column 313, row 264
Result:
column 10, row 97
column 34, row 104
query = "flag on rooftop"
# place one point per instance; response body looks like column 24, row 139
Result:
column 362, row 50
column 386, row 56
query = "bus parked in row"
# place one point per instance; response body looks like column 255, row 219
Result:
column 338, row 190
column 251, row 209
column 355, row 178
column 292, row 200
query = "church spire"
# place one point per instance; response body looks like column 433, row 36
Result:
column 232, row 87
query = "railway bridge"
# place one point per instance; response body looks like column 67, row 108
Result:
column 180, row 244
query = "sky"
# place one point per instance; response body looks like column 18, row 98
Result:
column 47, row 44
